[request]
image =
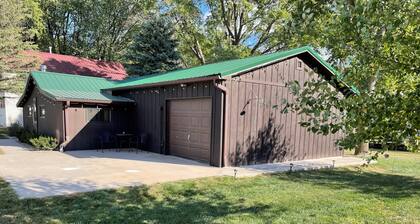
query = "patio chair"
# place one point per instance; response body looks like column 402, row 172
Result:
column 134, row 142
column 99, row 142
column 143, row 140
column 106, row 141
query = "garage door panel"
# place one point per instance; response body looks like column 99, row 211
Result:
column 200, row 138
column 189, row 128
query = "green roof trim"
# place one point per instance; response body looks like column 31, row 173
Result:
column 226, row 68
column 69, row 87
column 64, row 87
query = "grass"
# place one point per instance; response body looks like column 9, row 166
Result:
column 3, row 133
column 388, row 192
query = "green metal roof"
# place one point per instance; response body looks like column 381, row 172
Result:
column 225, row 68
column 63, row 87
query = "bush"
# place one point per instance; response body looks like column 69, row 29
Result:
column 44, row 142
column 15, row 129
column 39, row 142
column 25, row 136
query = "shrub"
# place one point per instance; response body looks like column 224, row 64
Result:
column 15, row 129
column 44, row 142
column 25, row 136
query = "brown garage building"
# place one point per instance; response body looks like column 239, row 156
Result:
column 224, row 114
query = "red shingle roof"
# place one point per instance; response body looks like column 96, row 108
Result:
column 80, row 66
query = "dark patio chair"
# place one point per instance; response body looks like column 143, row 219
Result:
column 99, row 142
column 134, row 142
column 143, row 140
column 138, row 142
column 106, row 141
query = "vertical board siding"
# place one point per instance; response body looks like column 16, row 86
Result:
column 151, row 112
column 263, row 133
column 83, row 134
column 52, row 123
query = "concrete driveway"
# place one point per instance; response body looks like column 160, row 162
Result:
column 34, row 174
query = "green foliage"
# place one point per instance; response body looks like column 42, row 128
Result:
column 15, row 84
column 233, row 29
column 33, row 22
column 44, row 142
column 22, row 134
column 25, row 136
column 14, row 129
column 375, row 44
column 153, row 49
column 89, row 28
column 4, row 133
column 39, row 142
column 13, row 33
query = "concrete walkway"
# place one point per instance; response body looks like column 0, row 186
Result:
column 36, row 174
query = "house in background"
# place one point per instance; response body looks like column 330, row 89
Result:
column 223, row 114
column 79, row 66
column 10, row 113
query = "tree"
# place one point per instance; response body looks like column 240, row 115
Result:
column 88, row 28
column 13, row 32
column 215, row 30
column 375, row 44
column 153, row 49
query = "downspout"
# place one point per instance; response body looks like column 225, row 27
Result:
column 64, row 143
column 224, row 91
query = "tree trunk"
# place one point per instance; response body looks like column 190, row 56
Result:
column 363, row 148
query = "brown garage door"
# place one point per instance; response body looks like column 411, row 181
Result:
column 189, row 128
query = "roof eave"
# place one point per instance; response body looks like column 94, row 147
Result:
column 61, row 99
column 173, row 82
column 314, row 55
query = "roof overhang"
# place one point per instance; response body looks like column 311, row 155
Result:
column 173, row 82
column 27, row 91
column 310, row 57
column 31, row 84
column 307, row 54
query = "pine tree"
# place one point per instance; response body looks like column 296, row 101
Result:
column 15, row 30
column 153, row 49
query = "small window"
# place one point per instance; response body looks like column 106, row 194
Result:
column 299, row 64
column 2, row 102
column 42, row 111
column 34, row 109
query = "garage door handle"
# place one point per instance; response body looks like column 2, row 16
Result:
column 188, row 137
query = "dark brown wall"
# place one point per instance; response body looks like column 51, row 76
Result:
column 83, row 133
column 52, row 123
column 262, row 133
column 151, row 113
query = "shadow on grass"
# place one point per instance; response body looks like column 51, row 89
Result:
column 185, row 204
column 380, row 184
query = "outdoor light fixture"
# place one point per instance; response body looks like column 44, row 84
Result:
column 291, row 167
column 183, row 85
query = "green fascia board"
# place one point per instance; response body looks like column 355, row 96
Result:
column 226, row 68
column 62, row 87
column 69, row 87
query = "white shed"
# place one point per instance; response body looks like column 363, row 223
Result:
column 9, row 112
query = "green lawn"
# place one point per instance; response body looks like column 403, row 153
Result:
column 3, row 133
column 388, row 192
